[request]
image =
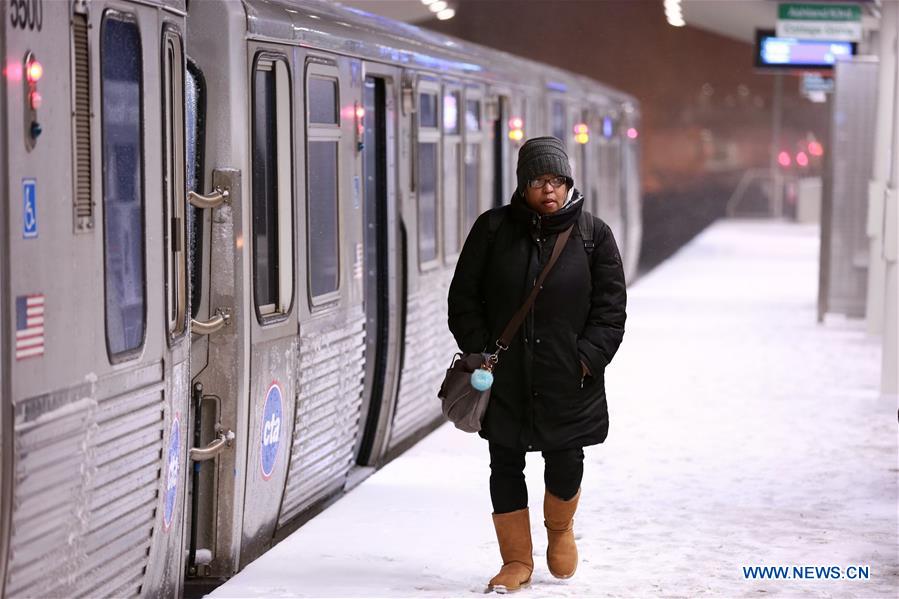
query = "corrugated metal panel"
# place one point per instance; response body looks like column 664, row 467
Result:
column 87, row 478
column 852, row 154
column 81, row 124
column 330, row 387
column 429, row 350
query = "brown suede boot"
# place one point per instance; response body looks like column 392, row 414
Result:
column 561, row 553
column 513, row 531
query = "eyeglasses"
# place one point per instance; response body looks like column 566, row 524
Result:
column 553, row 181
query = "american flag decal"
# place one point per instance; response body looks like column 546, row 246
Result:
column 29, row 326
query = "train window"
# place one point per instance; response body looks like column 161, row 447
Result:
column 559, row 127
column 427, row 110
column 427, row 201
column 323, row 243
column 121, row 80
column 173, row 164
column 473, row 115
column 451, row 113
column 194, row 125
column 272, row 188
column 471, row 182
column 322, row 101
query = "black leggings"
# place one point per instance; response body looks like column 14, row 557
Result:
column 562, row 474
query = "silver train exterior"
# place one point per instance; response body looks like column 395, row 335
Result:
column 229, row 234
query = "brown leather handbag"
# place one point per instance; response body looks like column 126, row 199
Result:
column 462, row 403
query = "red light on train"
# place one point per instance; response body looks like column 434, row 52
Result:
column 815, row 148
column 35, row 71
column 784, row 159
column 802, row 159
column 13, row 72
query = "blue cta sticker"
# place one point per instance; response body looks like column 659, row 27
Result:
column 29, row 208
column 271, row 430
column 173, row 467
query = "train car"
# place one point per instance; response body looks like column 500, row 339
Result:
column 95, row 340
column 225, row 257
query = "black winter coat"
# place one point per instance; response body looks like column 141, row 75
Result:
column 539, row 400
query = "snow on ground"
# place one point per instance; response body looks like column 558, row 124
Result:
column 742, row 434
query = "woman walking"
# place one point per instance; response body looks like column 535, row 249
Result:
column 548, row 392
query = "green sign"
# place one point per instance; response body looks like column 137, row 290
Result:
column 826, row 22
column 819, row 12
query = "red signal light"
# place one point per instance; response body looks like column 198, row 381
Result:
column 815, row 148
column 802, row 159
column 784, row 159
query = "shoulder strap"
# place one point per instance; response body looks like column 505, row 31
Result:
column 585, row 226
column 515, row 323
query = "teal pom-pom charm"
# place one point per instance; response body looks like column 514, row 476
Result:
column 481, row 379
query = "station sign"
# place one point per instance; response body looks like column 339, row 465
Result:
column 832, row 22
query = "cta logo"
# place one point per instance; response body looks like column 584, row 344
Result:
column 271, row 430
column 173, row 468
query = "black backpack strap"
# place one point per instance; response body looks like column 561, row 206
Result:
column 585, row 227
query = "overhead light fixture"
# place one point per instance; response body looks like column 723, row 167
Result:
column 428, row 2
column 447, row 13
column 437, row 6
column 674, row 14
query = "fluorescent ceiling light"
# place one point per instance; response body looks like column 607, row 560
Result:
column 438, row 6
column 447, row 13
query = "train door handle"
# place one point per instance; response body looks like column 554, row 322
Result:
column 208, row 327
column 222, row 440
column 218, row 197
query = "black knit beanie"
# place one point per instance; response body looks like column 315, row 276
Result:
column 541, row 156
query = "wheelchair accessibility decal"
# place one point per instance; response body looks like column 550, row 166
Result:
column 29, row 208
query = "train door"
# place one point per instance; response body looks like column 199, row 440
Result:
column 223, row 302
column 451, row 176
column 330, row 364
column 520, row 129
column 383, row 272
column 423, row 214
column 99, row 442
column 476, row 171
column 272, row 315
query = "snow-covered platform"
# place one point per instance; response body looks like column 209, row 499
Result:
column 742, row 434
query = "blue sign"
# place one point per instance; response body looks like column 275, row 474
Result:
column 29, row 208
column 271, row 430
column 173, row 468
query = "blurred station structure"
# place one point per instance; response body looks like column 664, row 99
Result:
column 750, row 108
